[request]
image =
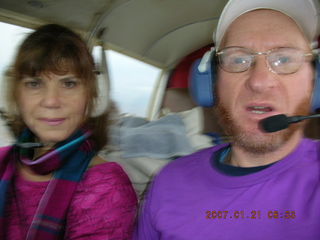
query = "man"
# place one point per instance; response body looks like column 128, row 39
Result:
column 263, row 185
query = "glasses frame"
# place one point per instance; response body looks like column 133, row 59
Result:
column 253, row 55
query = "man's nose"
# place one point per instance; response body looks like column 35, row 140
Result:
column 261, row 78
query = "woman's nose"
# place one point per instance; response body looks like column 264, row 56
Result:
column 51, row 97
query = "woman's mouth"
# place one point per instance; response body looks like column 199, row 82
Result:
column 52, row 121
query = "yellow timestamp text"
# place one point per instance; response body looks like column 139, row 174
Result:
column 250, row 214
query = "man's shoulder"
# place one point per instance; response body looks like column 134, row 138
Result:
column 185, row 165
column 312, row 141
column 311, row 145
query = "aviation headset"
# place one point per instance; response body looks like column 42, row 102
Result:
column 203, row 76
column 102, row 102
column 103, row 99
column 203, row 79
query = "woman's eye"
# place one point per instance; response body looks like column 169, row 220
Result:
column 70, row 83
column 33, row 84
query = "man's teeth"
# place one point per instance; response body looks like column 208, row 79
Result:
column 260, row 110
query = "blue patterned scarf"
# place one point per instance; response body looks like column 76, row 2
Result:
column 68, row 160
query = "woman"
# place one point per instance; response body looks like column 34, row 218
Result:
column 53, row 185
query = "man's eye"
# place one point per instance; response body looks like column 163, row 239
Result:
column 239, row 60
column 282, row 60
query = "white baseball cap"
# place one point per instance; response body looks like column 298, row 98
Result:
column 304, row 12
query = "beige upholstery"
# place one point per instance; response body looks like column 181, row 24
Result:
column 179, row 99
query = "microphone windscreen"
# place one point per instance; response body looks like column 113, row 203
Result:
column 274, row 123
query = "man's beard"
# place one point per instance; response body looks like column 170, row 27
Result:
column 258, row 143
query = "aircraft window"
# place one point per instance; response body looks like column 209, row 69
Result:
column 11, row 37
column 132, row 83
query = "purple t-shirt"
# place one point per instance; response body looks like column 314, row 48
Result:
column 190, row 199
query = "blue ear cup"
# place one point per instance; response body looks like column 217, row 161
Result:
column 202, row 80
column 315, row 103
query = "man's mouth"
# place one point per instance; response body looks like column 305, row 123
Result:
column 259, row 109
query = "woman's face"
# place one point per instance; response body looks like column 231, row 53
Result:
column 52, row 106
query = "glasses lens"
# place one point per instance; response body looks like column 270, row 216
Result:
column 285, row 60
column 235, row 59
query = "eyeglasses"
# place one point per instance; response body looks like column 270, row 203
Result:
column 283, row 60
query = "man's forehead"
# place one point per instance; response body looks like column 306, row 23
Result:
column 269, row 25
column 304, row 12
column 255, row 16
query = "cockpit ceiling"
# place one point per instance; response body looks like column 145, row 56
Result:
column 159, row 32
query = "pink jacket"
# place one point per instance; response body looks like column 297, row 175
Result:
column 103, row 207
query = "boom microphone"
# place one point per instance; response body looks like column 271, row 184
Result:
column 30, row 145
column 279, row 122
